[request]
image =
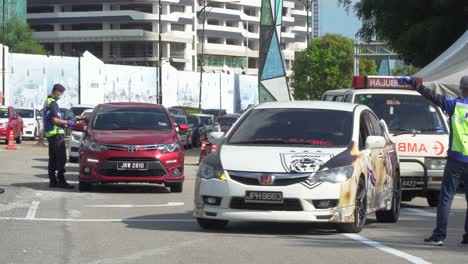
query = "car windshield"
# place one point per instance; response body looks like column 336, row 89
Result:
column 226, row 121
column 25, row 113
column 3, row 112
column 193, row 120
column 295, row 126
column 137, row 118
column 206, row 120
column 78, row 110
column 180, row 120
column 405, row 112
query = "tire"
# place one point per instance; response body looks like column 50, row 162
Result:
column 360, row 211
column 433, row 198
column 73, row 160
column 20, row 138
column 407, row 196
column 177, row 187
column 84, row 186
column 212, row 224
column 392, row 215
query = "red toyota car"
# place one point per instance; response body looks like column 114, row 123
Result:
column 131, row 142
column 10, row 120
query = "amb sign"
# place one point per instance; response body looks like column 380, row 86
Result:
column 437, row 148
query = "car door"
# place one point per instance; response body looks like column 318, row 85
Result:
column 381, row 162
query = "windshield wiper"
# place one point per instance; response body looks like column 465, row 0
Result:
column 433, row 129
column 401, row 131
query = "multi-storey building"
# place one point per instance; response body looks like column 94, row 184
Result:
column 126, row 32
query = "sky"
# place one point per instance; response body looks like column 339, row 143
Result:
column 334, row 19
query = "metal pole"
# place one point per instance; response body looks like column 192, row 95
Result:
column 307, row 5
column 3, row 54
column 220, row 85
column 79, row 78
column 159, row 100
column 202, row 54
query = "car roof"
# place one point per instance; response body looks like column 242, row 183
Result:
column 325, row 105
column 124, row 104
column 84, row 105
column 204, row 115
column 229, row 116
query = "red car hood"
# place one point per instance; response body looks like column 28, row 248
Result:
column 133, row 137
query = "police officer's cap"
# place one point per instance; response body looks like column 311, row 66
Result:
column 58, row 87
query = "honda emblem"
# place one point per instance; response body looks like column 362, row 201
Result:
column 267, row 180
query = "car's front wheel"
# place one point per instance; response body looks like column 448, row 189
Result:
column 176, row 187
column 212, row 224
column 392, row 215
column 84, row 186
column 73, row 159
column 360, row 211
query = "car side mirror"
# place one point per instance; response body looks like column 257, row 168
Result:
column 384, row 125
column 373, row 142
column 216, row 138
column 183, row 128
column 80, row 127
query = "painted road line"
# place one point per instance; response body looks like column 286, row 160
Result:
column 382, row 247
column 32, row 210
column 418, row 212
column 460, row 197
column 134, row 205
column 97, row 220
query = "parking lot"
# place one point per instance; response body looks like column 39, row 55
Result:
column 142, row 223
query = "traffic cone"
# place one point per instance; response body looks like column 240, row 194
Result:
column 11, row 141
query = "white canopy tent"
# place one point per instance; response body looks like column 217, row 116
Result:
column 445, row 72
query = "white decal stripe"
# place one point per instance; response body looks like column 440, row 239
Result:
column 32, row 210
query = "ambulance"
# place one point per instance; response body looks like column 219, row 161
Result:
column 417, row 127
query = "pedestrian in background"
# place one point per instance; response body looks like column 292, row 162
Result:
column 456, row 168
column 54, row 132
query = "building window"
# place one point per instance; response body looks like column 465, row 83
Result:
column 232, row 7
column 41, row 28
column 86, row 8
column 177, row 27
column 136, row 49
column 86, row 27
column 40, row 9
column 231, row 23
column 143, row 26
column 250, row 11
column 145, row 8
column 236, row 42
column 177, row 50
column 177, row 9
column 215, row 40
column 213, row 22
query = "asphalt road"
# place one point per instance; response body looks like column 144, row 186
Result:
column 145, row 223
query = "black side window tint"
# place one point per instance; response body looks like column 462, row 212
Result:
column 363, row 132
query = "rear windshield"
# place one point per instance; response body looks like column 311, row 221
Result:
column 132, row 119
column 25, row 113
column 206, row 120
column 3, row 112
column 226, row 121
column 295, row 126
column 405, row 112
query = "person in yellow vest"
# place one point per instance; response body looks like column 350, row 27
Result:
column 54, row 132
column 456, row 168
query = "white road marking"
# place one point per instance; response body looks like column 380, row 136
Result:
column 460, row 197
column 32, row 210
column 134, row 205
column 382, row 247
column 96, row 220
column 418, row 212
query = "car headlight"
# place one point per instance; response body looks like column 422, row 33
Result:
column 435, row 163
column 207, row 172
column 93, row 146
column 76, row 137
column 168, row 148
column 336, row 175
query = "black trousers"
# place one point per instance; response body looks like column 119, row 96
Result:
column 57, row 158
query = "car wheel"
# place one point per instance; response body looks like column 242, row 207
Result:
column 211, row 224
column 84, row 186
column 176, row 187
column 360, row 211
column 73, row 159
column 20, row 138
column 433, row 198
column 392, row 215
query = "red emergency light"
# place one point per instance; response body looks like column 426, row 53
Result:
column 380, row 82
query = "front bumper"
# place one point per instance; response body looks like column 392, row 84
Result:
column 102, row 167
column 297, row 206
column 29, row 132
column 415, row 176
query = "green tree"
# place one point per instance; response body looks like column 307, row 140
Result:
column 418, row 30
column 367, row 67
column 404, row 70
column 18, row 37
column 330, row 67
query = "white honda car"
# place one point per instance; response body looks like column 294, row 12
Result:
column 300, row 162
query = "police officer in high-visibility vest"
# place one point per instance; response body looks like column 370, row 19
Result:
column 54, row 132
column 456, row 168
